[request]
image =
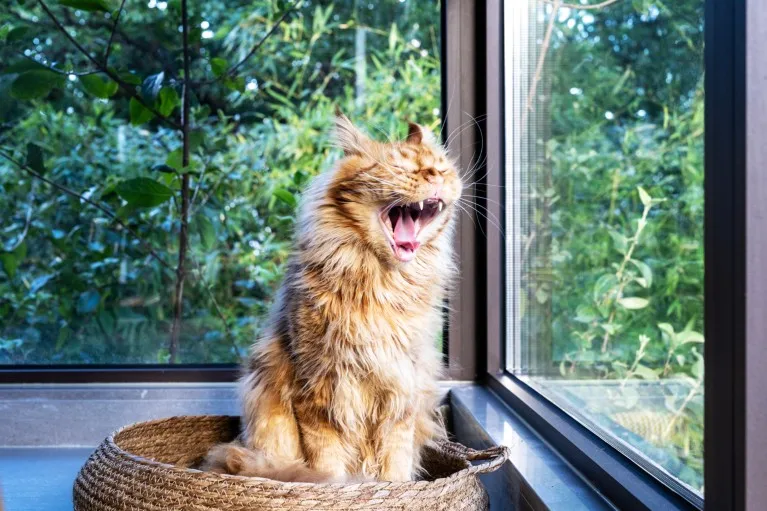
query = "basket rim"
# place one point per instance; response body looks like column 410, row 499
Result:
column 152, row 463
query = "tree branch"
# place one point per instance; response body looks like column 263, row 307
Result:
column 112, row 34
column 93, row 203
column 125, row 86
column 584, row 7
column 260, row 43
column 183, row 237
column 57, row 70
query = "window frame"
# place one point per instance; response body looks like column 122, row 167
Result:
column 727, row 332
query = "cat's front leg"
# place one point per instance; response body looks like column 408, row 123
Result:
column 397, row 452
column 325, row 449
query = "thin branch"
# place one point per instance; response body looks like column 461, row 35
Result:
column 125, row 86
column 95, row 204
column 216, row 306
column 183, row 237
column 57, row 70
column 260, row 43
column 541, row 60
column 112, row 34
column 585, row 7
column 23, row 235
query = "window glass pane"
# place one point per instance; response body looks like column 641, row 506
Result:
column 88, row 263
column 604, row 193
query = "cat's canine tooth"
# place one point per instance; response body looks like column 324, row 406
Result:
column 439, row 205
column 421, row 204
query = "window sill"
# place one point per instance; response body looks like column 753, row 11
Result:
column 48, row 431
column 537, row 477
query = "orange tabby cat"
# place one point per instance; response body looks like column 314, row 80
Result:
column 344, row 384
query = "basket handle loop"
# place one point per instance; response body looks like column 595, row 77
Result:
column 495, row 456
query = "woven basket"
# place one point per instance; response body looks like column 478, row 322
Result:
column 142, row 467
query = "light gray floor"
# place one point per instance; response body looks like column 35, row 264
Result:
column 39, row 478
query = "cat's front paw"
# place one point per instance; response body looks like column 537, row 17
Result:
column 397, row 475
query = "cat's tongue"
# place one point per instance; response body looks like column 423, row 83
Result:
column 404, row 236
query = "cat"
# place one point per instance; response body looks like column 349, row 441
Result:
column 344, row 385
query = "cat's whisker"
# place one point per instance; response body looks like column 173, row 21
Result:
column 488, row 215
column 457, row 131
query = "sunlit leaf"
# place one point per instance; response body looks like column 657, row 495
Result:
column 633, row 303
column 152, row 86
column 286, row 197
column 644, row 196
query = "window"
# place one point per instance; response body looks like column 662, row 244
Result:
column 604, row 227
column 94, row 184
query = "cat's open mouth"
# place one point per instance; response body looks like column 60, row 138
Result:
column 402, row 224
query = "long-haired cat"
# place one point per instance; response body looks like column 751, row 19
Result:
column 344, row 384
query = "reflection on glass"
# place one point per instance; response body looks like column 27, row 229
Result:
column 604, row 184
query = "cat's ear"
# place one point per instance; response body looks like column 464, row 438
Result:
column 348, row 137
column 417, row 134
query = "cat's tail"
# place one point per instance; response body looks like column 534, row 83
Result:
column 233, row 458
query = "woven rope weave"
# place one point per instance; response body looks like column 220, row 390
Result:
column 142, row 467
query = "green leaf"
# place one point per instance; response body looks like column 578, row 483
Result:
column 645, row 372
column 645, row 270
column 689, row 336
column 165, row 169
column 64, row 334
column 139, row 114
column 196, row 138
column 667, row 329
column 167, row 101
column 644, row 197
column 151, row 86
column 143, row 192
column 88, row 5
column 35, row 84
column 219, row 66
column 35, row 158
column 40, row 282
column 88, row 302
column 95, row 85
column 207, row 231
column 16, row 34
column 10, row 261
column 175, row 159
column 23, row 65
column 286, row 197
column 130, row 78
column 633, row 303
column 236, row 83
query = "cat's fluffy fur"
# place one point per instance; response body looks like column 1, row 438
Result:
column 344, row 384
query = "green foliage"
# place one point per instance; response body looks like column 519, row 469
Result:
column 615, row 276
column 76, row 287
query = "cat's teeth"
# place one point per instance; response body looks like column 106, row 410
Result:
column 439, row 206
column 421, row 204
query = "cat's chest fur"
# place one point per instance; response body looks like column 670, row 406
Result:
column 367, row 349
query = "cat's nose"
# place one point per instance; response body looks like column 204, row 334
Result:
column 435, row 179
